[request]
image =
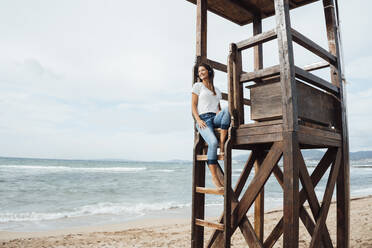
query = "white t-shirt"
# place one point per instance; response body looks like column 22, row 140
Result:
column 207, row 102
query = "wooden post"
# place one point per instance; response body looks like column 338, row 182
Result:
column 291, row 190
column 228, row 191
column 287, row 70
column 257, row 50
column 201, row 29
column 290, row 123
column 343, row 180
column 238, row 88
column 331, row 35
column 198, row 200
column 230, row 84
column 259, row 207
column 259, row 204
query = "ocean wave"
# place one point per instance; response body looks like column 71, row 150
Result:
column 163, row 170
column 73, row 169
column 359, row 166
column 94, row 209
column 213, row 204
column 361, row 192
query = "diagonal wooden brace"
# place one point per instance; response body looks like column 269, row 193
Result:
column 245, row 226
column 321, row 218
column 305, row 217
column 316, row 176
column 239, row 213
column 257, row 183
column 313, row 201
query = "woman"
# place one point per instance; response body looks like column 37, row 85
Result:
column 207, row 112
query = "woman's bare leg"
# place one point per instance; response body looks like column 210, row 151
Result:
column 223, row 136
column 215, row 178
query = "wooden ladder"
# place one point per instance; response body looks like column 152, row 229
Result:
column 199, row 190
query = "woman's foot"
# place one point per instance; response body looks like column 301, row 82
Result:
column 217, row 182
column 221, row 190
column 215, row 179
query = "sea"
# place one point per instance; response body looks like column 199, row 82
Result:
column 51, row 194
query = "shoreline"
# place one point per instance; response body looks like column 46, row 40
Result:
column 133, row 224
column 175, row 232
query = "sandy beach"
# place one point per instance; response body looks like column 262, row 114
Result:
column 176, row 232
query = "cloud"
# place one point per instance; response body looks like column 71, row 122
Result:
column 25, row 71
column 112, row 79
column 360, row 68
column 360, row 119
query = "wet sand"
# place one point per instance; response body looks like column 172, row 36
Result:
column 176, row 232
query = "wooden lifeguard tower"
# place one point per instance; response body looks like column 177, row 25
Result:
column 292, row 109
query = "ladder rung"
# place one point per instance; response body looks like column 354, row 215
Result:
column 205, row 223
column 205, row 158
column 210, row 191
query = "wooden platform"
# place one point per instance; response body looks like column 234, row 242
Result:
column 272, row 131
column 242, row 12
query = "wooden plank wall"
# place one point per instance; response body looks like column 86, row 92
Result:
column 313, row 105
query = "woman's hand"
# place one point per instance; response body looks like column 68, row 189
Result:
column 201, row 123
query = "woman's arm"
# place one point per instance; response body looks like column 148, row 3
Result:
column 194, row 108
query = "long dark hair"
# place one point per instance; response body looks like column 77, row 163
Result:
column 210, row 75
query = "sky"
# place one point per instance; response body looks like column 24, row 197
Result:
column 112, row 79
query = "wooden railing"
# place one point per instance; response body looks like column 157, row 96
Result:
column 272, row 74
column 256, row 40
column 313, row 47
column 236, row 76
column 217, row 65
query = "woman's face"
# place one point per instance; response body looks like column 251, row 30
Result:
column 203, row 72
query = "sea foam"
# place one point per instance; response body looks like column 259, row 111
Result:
column 73, row 169
column 101, row 208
